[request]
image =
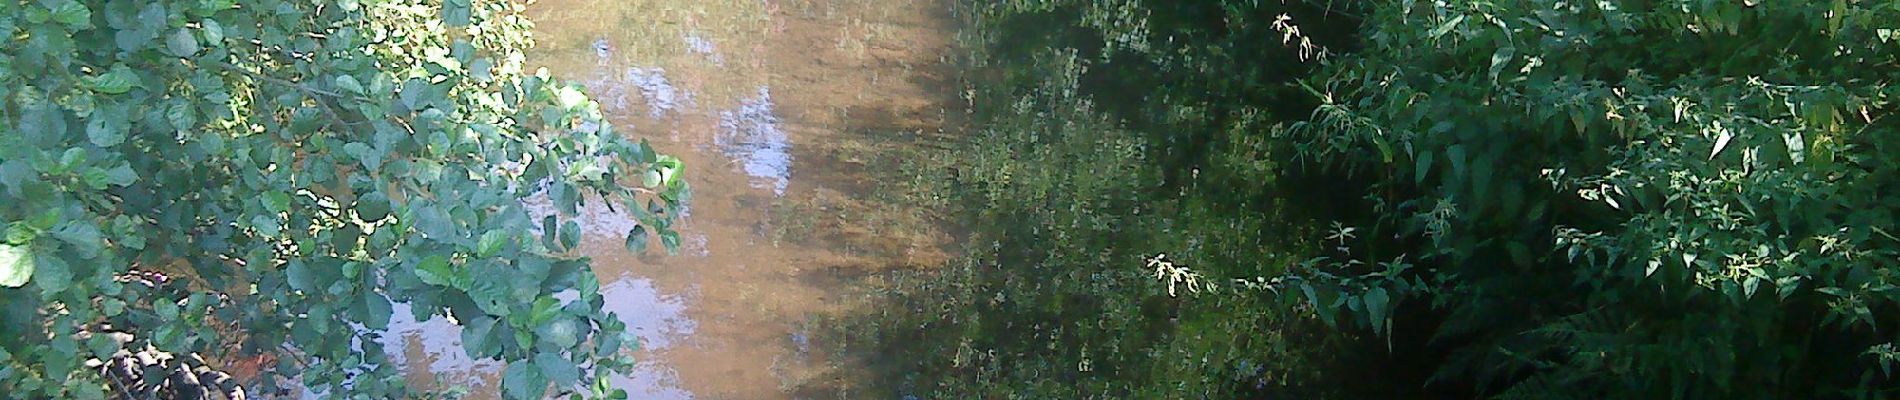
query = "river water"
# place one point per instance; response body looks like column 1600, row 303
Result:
column 784, row 111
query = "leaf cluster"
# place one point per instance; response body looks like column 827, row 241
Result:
column 294, row 171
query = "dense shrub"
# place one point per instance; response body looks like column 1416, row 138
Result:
column 240, row 178
column 1632, row 199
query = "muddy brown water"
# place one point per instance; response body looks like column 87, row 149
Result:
column 784, row 111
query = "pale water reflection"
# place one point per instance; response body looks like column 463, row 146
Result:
column 750, row 134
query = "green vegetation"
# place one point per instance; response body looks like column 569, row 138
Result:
column 1516, row 199
column 242, row 177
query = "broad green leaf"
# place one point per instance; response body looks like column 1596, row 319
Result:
column 16, row 265
column 72, row 14
column 545, row 308
column 166, row 310
column 435, row 270
column 299, row 276
column 276, row 201
column 372, row 207
column 570, row 235
column 650, row 179
column 119, row 79
column 482, row 69
column 1456, row 155
column 95, row 178
column 52, row 274
column 1377, row 304
column 102, row 346
column 377, row 310
column 670, row 239
column 182, row 43
column 637, row 239
column 521, row 380
column 81, row 236
column 20, row 233
column 267, row 225
column 371, row 158
column 349, row 84
column 478, row 338
column 491, row 243
column 562, row 333
column 122, row 175
column 214, row 32
column 557, row 368
column 456, row 12
column 106, row 127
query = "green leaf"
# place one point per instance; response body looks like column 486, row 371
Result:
column 478, row 338
column 1456, row 154
column 570, row 235
column 102, row 346
column 522, row 381
column 377, row 310
column 545, row 308
column 562, row 333
column 95, row 178
column 82, row 237
column 670, row 239
column 276, row 201
column 372, row 207
column 300, row 277
column 214, row 32
column 637, row 239
column 20, row 233
column 1500, row 59
column 482, row 70
column 16, row 265
column 1441, row 30
column 166, row 310
column 349, row 84
column 491, row 243
column 436, row 270
column 118, row 80
column 1376, row 305
column 650, row 179
column 558, row 368
column 371, row 158
column 122, row 175
column 72, row 14
column 456, row 12
column 106, row 127
column 182, row 43
column 267, row 225
column 1721, row 142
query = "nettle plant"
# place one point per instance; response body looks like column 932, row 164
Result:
column 267, row 177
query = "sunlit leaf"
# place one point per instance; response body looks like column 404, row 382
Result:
column 16, row 265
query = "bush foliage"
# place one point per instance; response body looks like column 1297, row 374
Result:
column 242, row 177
